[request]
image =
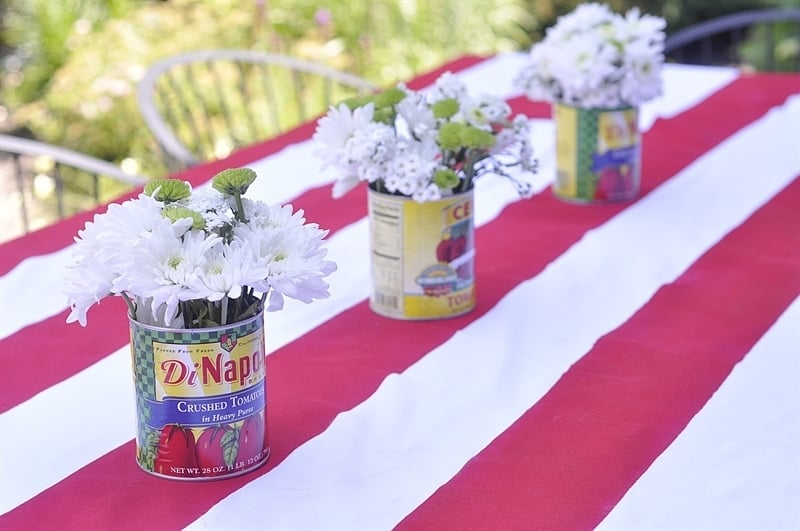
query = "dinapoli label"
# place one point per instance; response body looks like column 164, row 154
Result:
column 200, row 399
column 422, row 256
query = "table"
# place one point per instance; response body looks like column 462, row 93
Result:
column 628, row 366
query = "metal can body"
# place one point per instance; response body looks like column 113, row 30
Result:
column 598, row 154
column 423, row 256
column 200, row 399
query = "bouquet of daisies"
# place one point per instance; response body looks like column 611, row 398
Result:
column 595, row 58
column 424, row 145
column 184, row 258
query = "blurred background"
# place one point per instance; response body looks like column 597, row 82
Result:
column 70, row 67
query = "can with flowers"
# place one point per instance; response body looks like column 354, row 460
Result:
column 200, row 399
column 198, row 270
column 597, row 67
column 422, row 256
column 598, row 153
column 420, row 155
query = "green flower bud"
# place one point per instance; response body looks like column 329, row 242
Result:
column 233, row 181
column 389, row 97
column 445, row 179
column 354, row 102
column 445, row 108
column 176, row 212
column 384, row 115
column 450, row 136
column 167, row 190
column 478, row 138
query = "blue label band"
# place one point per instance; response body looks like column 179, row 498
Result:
column 207, row 410
column 614, row 158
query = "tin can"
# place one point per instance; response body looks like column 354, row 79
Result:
column 200, row 399
column 598, row 154
column 422, row 256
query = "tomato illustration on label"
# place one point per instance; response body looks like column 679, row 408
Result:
column 451, row 248
column 251, row 438
column 216, row 450
column 176, row 451
column 614, row 183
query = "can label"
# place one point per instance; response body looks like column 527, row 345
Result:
column 422, row 256
column 598, row 153
column 200, row 399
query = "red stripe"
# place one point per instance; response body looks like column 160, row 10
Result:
column 309, row 386
column 61, row 350
column 572, row 457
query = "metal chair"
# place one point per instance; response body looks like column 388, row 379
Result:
column 719, row 41
column 201, row 105
column 48, row 182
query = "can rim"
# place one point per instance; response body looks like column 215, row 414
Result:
column 596, row 109
column 237, row 324
column 403, row 198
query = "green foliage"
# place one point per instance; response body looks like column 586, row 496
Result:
column 78, row 88
column 783, row 43
column 44, row 34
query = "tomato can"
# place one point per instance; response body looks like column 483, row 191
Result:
column 201, row 399
column 422, row 256
column 598, row 154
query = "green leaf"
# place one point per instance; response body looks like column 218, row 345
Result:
column 230, row 446
column 148, row 448
column 389, row 97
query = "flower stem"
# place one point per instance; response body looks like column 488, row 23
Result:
column 469, row 166
column 240, row 215
column 131, row 305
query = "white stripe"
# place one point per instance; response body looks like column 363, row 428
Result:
column 377, row 462
column 737, row 464
column 86, row 416
column 32, row 291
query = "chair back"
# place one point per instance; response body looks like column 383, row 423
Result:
column 767, row 39
column 44, row 183
column 201, row 105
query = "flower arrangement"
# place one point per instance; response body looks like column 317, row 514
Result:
column 595, row 58
column 184, row 258
column 423, row 145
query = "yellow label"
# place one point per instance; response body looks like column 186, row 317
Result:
column 422, row 256
column 566, row 119
column 616, row 130
column 208, row 369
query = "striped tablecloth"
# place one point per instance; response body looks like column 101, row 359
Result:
column 630, row 366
